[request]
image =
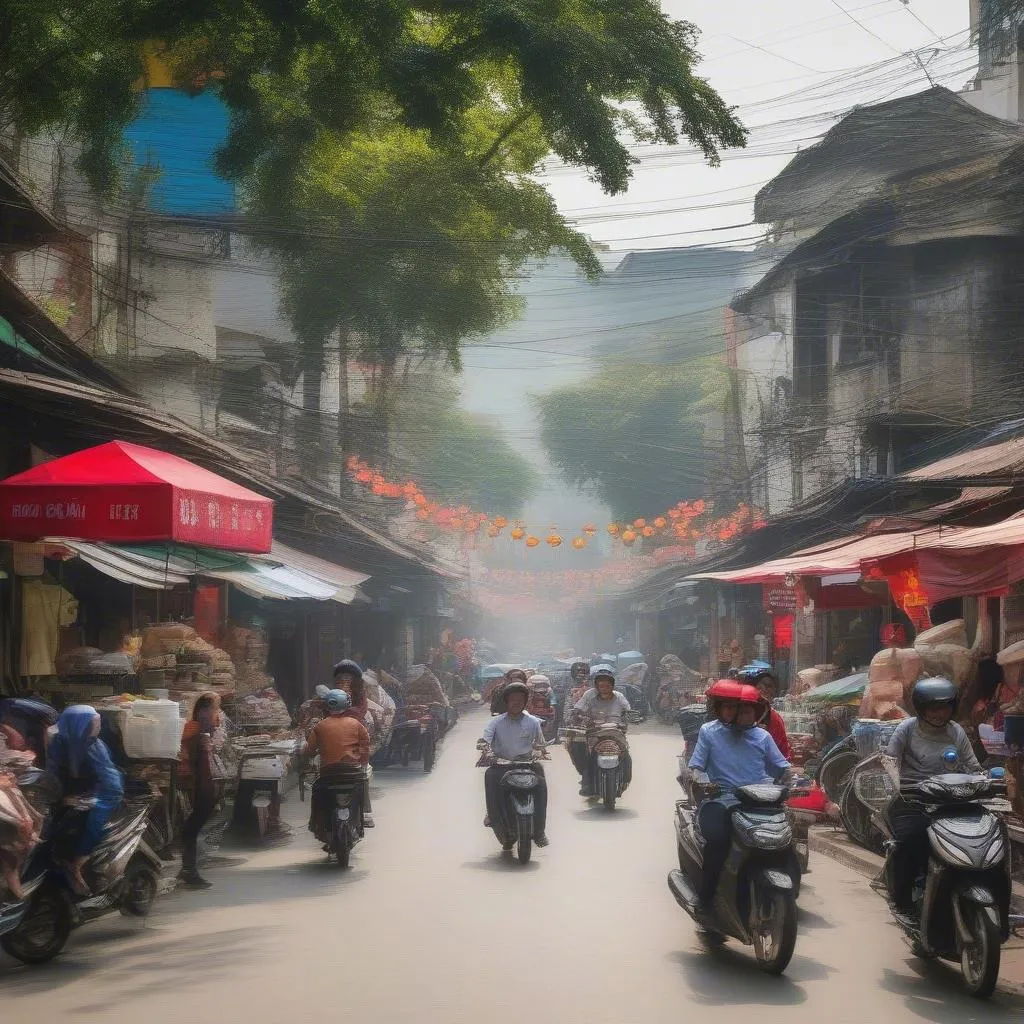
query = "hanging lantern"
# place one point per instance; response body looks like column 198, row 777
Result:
column 500, row 522
column 518, row 533
column 579, row 543
column 628, row 538
column 590, row 529
column 661, row 522
column 422, row 514
column 675, row 513
column 639, row 524
column 614, row 529
column 532, row 542
column 554, row 540
column 493, row 531
column 455, row 523
column 420, row 499
column 648, row 531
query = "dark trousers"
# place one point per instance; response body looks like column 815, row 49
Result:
column 492, row 792
column 715, row 820
column 203, row 805
column 909, row 857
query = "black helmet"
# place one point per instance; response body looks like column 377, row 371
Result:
column 514, row 687
column 928, row 693
column 347, row 666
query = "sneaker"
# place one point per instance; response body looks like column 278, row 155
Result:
column 487, row 821
column 541, row 840
column 367, row 820
column 193, row 880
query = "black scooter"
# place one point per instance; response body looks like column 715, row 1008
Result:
column 963, row 897
column 522, row 779
column 123, row 874
column 755, row 901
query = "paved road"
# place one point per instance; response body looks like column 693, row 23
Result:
column 432, row 924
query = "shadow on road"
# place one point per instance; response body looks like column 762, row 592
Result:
column 728, row 975
column 933, row 991
column 597, row 813
column 181, row 963
column 503, row 862
column 809, row 919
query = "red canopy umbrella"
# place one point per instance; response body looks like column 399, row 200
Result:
column 124, row 493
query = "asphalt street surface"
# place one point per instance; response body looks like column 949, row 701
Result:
column 434, row 924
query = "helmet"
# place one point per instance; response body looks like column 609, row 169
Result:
column 749, row 695
column 516, row 674
column 539, row 681
column 513, row 687
column 347, row 666
column 724, row 689
column 576, row 666
column 337, row 701
column 929, row 693
column 753, row 674
column 602, row 670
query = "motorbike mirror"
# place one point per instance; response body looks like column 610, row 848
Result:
column 997, row 773
column 950, row 756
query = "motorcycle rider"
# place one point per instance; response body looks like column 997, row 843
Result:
column 82, row 762
column 348, row 676
column 765, row 682
column 730, row 752
column 599, row 705
column 342, row 742
column 917, row 746
column 514, row 733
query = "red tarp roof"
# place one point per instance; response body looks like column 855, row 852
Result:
column 122, row 492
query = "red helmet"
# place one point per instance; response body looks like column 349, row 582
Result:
column 726, row 689
column 749, row 695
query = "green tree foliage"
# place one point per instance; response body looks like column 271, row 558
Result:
column 453, row 453
column 637, row 435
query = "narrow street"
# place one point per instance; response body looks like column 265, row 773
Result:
column 434, row 924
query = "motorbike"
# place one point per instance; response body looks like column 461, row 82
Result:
column 755, row 901
column 339, row 821
column 517, row 787
column 123, row 873
column 414, row 737
column 962, row 898
column 608, row 753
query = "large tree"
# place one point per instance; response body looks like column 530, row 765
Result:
column 641, row 437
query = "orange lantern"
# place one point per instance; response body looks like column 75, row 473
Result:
column 590, row 529
column 422, row 514
column 518, row 533
column 628, row 538
column 532, row 542
column 674, row 513
column 500, row 522
column 640, row 523
column 364, row 476
column 456, row 523
column 579, row 543
column 554, row 540
column 648, row 531
column 493, row 531
column 661, row 522
column 420, row 499
column 614, row 529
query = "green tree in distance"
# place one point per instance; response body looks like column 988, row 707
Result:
column 453, row 453
column 635, row 434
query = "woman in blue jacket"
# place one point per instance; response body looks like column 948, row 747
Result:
column 92, row 786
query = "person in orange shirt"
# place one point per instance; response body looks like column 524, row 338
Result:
column 340, row 740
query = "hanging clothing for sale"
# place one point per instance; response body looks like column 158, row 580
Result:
column 46, row 609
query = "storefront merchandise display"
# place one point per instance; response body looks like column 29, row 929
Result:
column 46, row 608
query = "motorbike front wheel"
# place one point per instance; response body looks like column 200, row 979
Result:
column 775, row 932
column 609, row 790
column 979, row 959
column 524, row 840
column 43, row 932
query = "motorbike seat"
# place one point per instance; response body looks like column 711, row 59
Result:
column 761, row 795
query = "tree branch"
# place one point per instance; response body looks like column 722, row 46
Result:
column 503, row 136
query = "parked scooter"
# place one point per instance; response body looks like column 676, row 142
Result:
column 755, row 901
column 123, row 873
column 340, row 820
column 515, row 826
column 962, row 898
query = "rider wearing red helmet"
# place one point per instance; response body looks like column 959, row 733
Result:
column 731, row 751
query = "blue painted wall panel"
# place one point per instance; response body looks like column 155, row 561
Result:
column 180, row 134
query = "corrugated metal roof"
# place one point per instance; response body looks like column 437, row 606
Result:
column 129, row 567
column 345, row 579
column 1004, row 458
